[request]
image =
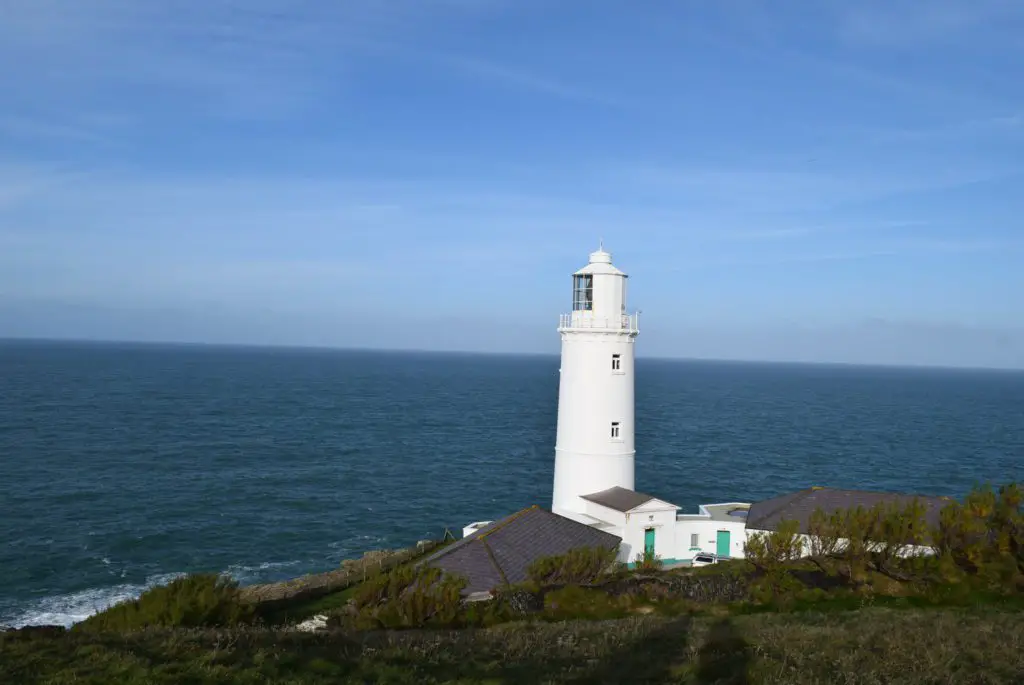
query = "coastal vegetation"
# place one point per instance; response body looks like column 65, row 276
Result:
column 863, row 596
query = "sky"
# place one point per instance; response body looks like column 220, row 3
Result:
column 824, row 181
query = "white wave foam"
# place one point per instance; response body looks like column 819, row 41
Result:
column 66, row 610
column 244, row 574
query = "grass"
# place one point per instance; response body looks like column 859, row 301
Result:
column 872, row 645
column 729, row 623
column 300, row 610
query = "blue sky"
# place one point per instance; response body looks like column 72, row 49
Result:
column 817, row 181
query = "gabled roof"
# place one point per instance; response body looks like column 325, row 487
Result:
column 500, row 552
column 621, row 499
column 799, row 506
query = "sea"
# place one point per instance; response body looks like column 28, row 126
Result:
column 125, row 465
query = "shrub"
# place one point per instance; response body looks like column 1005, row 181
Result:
column 190, row 601
column 984, row 536
column 581, row 566
column 825, row 535
column 895, row 531
column 767, row 551
column 574, row 602
column 648, row 561
column 410, row 597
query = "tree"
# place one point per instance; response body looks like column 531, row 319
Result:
column 983, row 536
column 825, row 537
column 963, row 536
column 857, row 527
column 769, row 550
column 895, row 530
column 1008, row 524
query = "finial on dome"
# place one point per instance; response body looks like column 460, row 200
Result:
column 600, row 257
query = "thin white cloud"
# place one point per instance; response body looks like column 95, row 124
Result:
column 261, row 58
column 839, row 40
column 903, row 23
column 999, row 127
column 28, row 128
column 786, row 190
column 505, row 75
column 883, row 249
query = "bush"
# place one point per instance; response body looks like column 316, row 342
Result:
column 648, row 561
column 410, row 597
column 768, row 551
column 192, row 601
column 581, row 566
column 984, row 536
column 574, row 602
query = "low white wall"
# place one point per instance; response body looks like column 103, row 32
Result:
column 910, row 551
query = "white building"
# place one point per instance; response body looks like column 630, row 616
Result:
column 594, row 452
column 594, row 447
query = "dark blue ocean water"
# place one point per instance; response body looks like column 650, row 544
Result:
column 123, row 464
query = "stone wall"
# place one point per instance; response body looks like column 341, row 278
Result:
column 316, row 585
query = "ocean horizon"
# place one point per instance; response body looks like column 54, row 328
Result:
column 123, row 464
column 487, row 353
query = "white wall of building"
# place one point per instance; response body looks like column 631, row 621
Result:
column 706, row 531
column 656, row 515
column 604, row 514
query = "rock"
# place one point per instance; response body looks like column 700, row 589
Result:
column 313, row 625
column 36, row 631
column 524, row 602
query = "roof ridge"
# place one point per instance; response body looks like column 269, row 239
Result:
column 508, row 519
column 800, row 494
column 882, row 493
column 459, row 544
column 494, row 561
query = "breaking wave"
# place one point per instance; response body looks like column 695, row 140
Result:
column 66, row 610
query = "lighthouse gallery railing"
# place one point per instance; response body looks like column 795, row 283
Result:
column 627, row 323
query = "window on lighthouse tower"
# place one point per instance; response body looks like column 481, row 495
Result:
column 583, row 293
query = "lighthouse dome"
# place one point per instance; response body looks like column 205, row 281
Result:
column 600, row 263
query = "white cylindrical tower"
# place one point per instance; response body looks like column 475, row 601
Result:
column 594, row 445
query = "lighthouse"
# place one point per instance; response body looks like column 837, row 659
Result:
column 594, row 448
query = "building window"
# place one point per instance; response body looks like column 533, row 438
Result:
column 694, row 540
column 615, row 430
column 583, row 293
column 616, row 362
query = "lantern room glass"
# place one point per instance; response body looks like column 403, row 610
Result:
column 583, row 293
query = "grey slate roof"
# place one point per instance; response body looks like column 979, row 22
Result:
column 800, row 505
column 619, row 499
column 500, row 552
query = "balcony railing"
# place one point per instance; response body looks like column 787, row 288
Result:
column 627, row 323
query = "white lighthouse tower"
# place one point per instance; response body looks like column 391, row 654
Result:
column 594, row 448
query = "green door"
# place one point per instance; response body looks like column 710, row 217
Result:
column 649, row 541
column 723, row 544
